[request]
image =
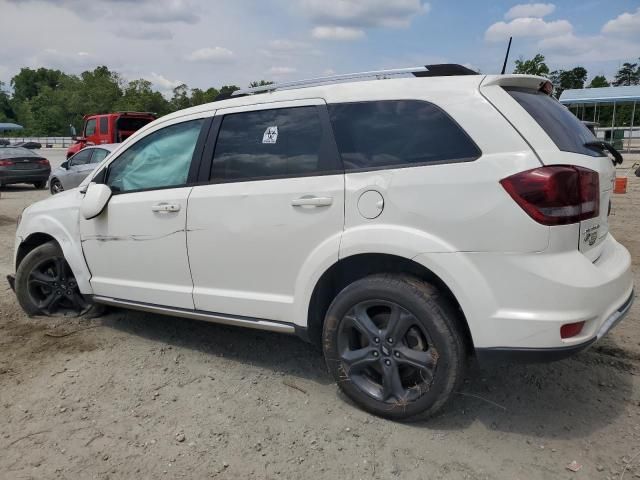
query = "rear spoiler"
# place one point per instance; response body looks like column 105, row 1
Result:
column 533, row 82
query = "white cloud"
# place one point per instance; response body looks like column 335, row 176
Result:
column 162, row 83
column 281, row 71
column 283, row 45
column 347, row 19
column 210, row 54
column 337, row 33
column 144, row 32
column 536, row 10
column 624, row 24
column 527, row 27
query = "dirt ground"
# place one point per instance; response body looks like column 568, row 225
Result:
column 134, row 395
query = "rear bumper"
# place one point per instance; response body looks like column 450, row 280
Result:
column 533, row 355
column 519, row 302
column 23, row 176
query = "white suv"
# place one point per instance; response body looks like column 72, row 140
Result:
column 400, row 223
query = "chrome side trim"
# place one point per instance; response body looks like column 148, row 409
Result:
column 616, row 316
column 221, row 318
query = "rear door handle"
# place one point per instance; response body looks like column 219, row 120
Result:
column 312, row 202
column 166, row 207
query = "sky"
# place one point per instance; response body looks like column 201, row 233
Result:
column 206, row 43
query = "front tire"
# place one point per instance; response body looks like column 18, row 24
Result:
column 55, row 186
column 45, row 284
column 393, row 346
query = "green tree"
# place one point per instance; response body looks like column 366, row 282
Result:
column 198, row 96
column 629, row 74
column 564, row 79
column 598, row 81
column 180, row 97
column 29, row 83
column 534, row 66
column 6, row 110
column 139, row 96
column 228, row 89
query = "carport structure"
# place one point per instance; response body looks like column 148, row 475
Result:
column 606, row 96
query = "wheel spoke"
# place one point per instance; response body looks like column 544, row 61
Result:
column 356, row 360
column 421, row 360
column 42, row 279
column 60, row 268
column 76, row 300
column 399, row 322
column 49, row 302
column 391, row 382
column 359, row 319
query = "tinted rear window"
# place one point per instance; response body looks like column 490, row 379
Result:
column 402, row 133
column 565, row 130
column 14, row 152
column 263, row 144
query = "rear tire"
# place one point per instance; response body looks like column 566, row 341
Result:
column 45, row 284
column 393, row 346
column 40, row 185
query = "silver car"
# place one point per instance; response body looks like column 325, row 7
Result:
column 71, row 173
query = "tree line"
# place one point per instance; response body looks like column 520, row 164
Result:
column 47, row 101
column 628, row 74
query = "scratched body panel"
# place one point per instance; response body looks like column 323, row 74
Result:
column 139, row 254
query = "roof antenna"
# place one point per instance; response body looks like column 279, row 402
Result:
column 506, row 57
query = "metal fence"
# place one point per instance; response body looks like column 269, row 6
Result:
column 47, row 142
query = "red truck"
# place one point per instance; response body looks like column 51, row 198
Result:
column 109, row 128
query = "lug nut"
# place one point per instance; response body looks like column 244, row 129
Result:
column 387, row 362
column 375, row 354
column 377, row 340
column 390, row 340
column 397, row 354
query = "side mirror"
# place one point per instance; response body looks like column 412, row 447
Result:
column 95, row 200
column 65, row 165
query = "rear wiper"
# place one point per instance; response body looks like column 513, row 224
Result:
column 602, row 145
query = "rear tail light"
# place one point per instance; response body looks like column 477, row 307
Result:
column 43, row 161
column 556, row 195
column 571, row 329
column 6, row 163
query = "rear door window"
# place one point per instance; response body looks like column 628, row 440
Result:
column 398, row 133
column 99, row 154
column 266, row 144
column 104, row 125
column 563, row 127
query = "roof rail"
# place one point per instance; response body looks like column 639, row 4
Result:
column 445, row 69
column 377, row 74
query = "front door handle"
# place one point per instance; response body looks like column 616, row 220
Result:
column 166, row 207
column 312, row 202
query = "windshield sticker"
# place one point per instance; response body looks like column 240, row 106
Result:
column 270, row 135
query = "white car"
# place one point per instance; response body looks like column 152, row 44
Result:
column 402, row 223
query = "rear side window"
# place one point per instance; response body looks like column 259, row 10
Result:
column 99, row 154
column 264, row 144
column 104, row 125
column 398, row 133
column 565, row 130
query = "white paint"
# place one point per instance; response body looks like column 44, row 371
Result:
column 247, row 249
